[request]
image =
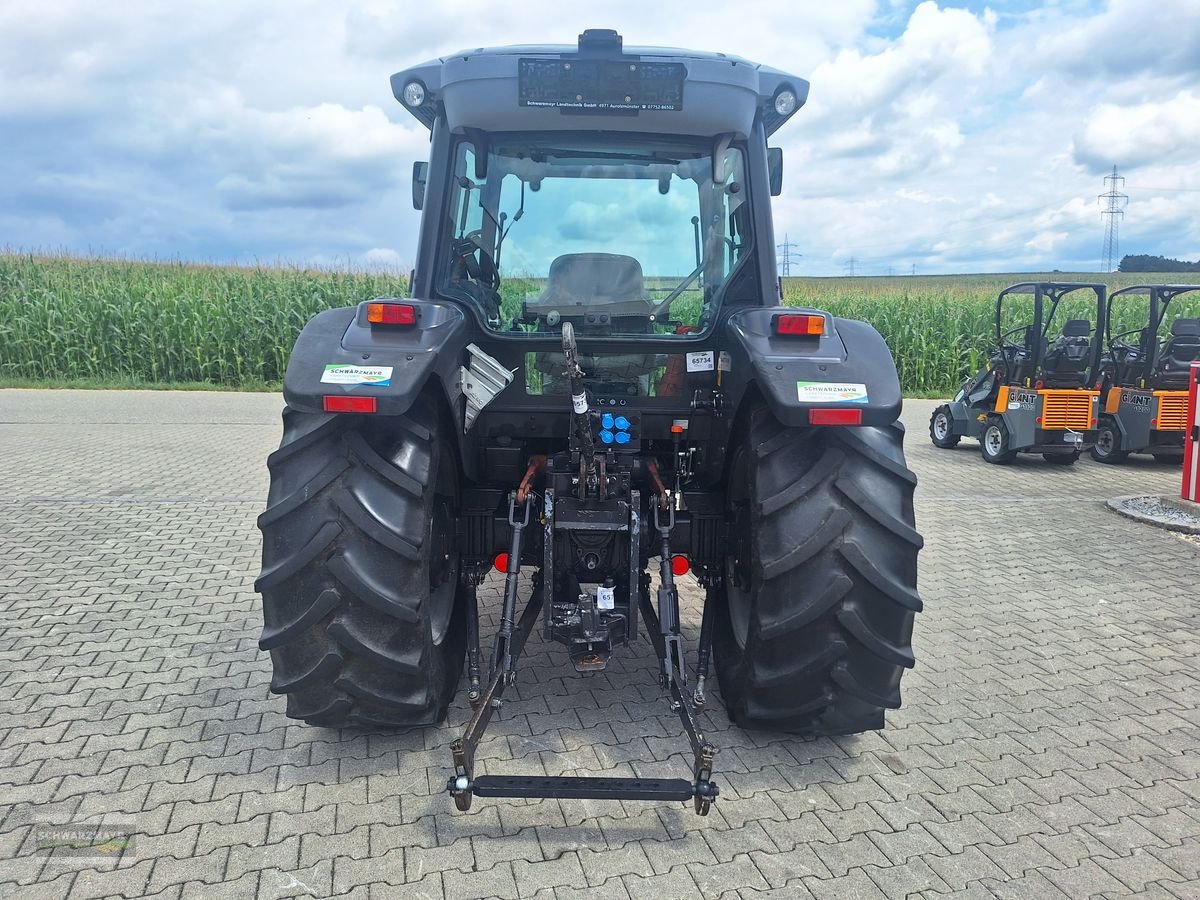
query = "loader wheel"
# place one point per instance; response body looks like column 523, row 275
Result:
column 941, row 429
column 360, row 569
column 815, row 610
column 1171, row 459
column 1107, row 448
column 1062, row 459
column 994, row 442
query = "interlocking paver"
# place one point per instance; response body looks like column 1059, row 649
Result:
column 1137, row 870
column 495, row 882
column 601, row 865
column 1049, row 745
column 677, row 883
column 906, row 879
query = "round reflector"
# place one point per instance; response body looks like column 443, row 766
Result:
column 501, row 562
column 680, row 565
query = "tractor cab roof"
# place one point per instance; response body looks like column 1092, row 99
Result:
column 599, row 85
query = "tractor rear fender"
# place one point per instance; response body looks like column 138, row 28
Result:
column 848, row 366
column 340, row 354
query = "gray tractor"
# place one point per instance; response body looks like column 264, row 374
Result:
column 593, row 377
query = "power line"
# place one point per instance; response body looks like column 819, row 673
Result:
column 785, row 256
column 1112, row 215
column 1169, row 190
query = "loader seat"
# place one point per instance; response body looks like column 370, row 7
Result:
column 1178, row 351
column 1066, row 361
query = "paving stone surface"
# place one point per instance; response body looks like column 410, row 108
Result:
column 1048, row 746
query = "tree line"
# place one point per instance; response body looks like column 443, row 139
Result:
column 1142, row 262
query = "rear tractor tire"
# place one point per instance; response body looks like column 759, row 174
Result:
column 359, row 582
column 941, row 429
column 815, row 610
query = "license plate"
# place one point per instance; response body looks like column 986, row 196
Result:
column 601, row 85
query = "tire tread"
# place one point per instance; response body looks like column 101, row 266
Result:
column 344, row 572
column 834, row 576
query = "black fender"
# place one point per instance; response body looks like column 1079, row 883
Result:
column 849, row 352
column 1117, row 422
column 423, row 356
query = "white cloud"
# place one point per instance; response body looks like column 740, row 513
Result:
column 1143, row 133
column 383, row 258
column 934, row 136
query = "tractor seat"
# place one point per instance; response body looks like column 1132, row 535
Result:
column 1066, row 361
column 593, row 284
column 1180, row 350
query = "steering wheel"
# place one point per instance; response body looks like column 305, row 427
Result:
column 1119, row 343
column 1004, row 338
column 1010, row 349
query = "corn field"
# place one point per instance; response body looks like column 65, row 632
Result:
column 64, row 318
column 67, row 319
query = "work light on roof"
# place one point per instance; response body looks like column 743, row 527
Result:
column 785, row 102
column 414, row 94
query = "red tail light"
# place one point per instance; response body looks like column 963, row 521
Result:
column 500, row 563
column 344, row 404
column 799, row 324
column 835, row 417
column 391, row 314
column 680, row 565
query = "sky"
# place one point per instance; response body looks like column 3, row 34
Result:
column 937, row 137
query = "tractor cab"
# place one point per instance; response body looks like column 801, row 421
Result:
column 1035, row 393
column 622, row 190
column 1144, row 371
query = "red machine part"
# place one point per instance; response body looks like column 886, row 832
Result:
column 1191, row 446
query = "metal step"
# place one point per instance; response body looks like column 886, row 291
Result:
column 573, row 788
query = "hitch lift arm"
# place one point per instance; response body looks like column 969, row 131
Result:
column 464, row 785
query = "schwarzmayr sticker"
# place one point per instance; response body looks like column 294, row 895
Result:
column 377, row 376
column 830, row 392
